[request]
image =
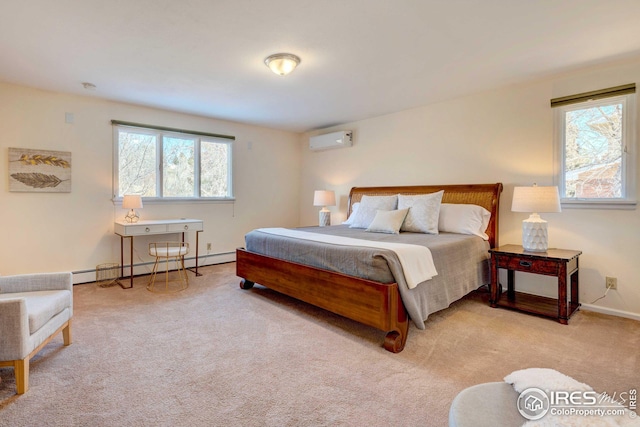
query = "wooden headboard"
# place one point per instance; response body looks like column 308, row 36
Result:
column 485, row 195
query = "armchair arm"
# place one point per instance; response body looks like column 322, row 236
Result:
column 36, row 282
column 14, row 329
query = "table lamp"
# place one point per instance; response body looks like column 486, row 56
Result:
column 535, row 199
column 324, row 198
column 132, row 201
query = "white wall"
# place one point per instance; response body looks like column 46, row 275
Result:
column 74, row 231
column 501, row 136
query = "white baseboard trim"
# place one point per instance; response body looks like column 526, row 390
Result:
column 611, row 311
column 88, row 276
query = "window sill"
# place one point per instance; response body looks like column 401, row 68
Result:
column 178, row 200
column 598, row 204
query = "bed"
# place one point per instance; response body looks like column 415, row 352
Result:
column 376, row 295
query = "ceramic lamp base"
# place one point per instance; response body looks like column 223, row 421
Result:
column 534, row 234
column 324, row 219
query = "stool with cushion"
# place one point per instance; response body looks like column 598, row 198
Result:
column 169, row 251
column 33, row 309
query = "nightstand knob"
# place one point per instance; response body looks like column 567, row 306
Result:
column 186, row 227
column 147, row 229
column 525, row 264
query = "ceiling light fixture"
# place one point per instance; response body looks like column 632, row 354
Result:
column 282, row 63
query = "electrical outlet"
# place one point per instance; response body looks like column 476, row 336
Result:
column 208, row 246
column 611, row 282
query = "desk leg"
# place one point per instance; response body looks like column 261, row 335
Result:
column 122, row 262
column 197, row 246
column 121, row 257
column 197, row 255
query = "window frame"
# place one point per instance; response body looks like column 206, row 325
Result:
column 160, row 133
column 628, row 166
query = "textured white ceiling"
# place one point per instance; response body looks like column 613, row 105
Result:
column 360, row 58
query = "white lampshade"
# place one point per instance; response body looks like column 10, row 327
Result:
column 282, row 63
column 324, row 198
column 535, row 237
column 536, row 199
column 132, row 201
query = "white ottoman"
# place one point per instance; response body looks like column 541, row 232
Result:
column 486, row 405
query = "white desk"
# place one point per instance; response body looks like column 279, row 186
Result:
column 142, row 228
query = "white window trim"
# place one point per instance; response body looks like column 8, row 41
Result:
column 117, row 200
column 629, row 153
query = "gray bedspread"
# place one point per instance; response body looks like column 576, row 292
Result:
column 462, row 262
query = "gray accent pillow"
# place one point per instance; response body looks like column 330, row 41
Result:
column 424, row 210
column 369, row 206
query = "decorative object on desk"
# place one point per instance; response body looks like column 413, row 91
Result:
column 282, row 63
column 132, row 202
column 39, row 170
column 535, row 199
column 324, row 198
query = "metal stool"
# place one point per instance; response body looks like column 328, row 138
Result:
column 167, row 250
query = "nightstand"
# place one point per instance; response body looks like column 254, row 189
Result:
column 560, row 263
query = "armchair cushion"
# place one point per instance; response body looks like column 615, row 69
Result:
column 41, row 306
column 38, row 282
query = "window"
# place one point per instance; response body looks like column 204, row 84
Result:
column 595, row 146
column 165, row 163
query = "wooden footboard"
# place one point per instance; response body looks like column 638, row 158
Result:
column 371, row 303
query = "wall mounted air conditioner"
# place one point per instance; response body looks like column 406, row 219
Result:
column 331, row 140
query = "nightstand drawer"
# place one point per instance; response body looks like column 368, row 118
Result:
column 537, row 266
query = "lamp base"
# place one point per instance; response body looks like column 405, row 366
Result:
column 324, row 219
column 535, row 237
column 132, row 216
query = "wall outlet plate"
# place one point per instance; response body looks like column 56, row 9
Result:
column 611, row 282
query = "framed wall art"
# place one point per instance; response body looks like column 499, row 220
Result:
column 39, row 170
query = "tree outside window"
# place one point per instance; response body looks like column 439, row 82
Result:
column 595, row 142
column 161, row 164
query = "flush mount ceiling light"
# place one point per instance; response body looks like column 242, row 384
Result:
column 282, row 63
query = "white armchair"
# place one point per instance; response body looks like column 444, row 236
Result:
column 33, row 309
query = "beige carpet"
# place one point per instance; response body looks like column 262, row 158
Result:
column 215, row 355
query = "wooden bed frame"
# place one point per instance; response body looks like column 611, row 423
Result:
column 365, row 301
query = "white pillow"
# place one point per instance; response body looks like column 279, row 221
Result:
column 388, row 221
column 369, row 205
column 424, row 210
column 354, row 209
column 464, row 219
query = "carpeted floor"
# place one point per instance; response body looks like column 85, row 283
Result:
column 216, row 355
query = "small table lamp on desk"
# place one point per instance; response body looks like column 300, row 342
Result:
column 132, row 202
column 324, row 198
